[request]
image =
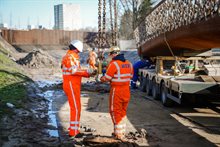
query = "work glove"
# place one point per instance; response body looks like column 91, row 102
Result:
column 91, row 72
column 95, row 71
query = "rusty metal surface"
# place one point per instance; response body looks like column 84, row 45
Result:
column 202, row 36
column 185, row 24
column 100, row 140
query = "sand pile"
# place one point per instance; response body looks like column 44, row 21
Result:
column 38, row 58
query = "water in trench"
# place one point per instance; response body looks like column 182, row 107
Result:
column 49, row 95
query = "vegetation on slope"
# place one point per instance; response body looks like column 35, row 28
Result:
column 12, row 88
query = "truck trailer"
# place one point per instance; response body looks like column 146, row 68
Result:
column 176, row 77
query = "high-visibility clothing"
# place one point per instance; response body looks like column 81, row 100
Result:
column 119, row 99
column 119, row 73
column 92, row 59
column 72, row 75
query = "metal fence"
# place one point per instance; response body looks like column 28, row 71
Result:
column 48, row 37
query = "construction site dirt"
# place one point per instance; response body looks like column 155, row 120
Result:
column 148, row 122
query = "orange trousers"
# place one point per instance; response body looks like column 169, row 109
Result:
column 72, row 92
column 119, row 99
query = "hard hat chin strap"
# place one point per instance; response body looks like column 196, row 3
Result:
column 114, row 52
column 71, row 47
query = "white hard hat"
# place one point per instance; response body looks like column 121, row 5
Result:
column 77, row 44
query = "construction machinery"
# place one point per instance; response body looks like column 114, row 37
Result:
column 182, row 39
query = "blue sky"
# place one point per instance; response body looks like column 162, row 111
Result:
column 20, row 13
column 23, row 12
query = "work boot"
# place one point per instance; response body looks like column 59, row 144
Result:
column 79, row 135
column 73, row 132
column 121, row 137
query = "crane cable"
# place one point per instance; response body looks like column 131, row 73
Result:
column 115, row 22
column 165, row 39
column 176, row 61
column 111, row 22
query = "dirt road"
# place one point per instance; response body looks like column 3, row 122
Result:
column 164, row 126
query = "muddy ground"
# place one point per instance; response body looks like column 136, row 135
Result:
column 45, row 120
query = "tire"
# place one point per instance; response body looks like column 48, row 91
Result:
column 143, row 84
column 163, row 95
column 148, row 86
column 154, row 90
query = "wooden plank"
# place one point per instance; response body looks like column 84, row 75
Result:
column 216, row 78
column 206, row 78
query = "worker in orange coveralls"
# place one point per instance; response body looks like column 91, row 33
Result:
column 119, row 73
column 72, row 75
column 92, row 59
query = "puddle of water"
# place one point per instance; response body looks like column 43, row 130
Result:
column 49, row 95
column 84, row 95
column 52, row 115
column 45, row 83
column 53, row 122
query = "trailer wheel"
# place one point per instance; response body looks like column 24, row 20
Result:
column 163, row 95
column 143, row 83
column 154, row 90
column 148, row 86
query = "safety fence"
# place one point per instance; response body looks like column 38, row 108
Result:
column 48, row 37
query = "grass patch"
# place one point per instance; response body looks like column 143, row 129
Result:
column 4, row 51
column 12, row 88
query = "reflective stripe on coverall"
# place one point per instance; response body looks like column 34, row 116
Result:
column 119, row 74
column 72, row 75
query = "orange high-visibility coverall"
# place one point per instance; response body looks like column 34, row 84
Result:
column 72, row 75
column 119, row 74
column 92, row 59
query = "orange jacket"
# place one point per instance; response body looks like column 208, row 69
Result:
column 119, row 72
column 92, row 58
column 71, row 68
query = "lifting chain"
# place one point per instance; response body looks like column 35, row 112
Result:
column 115, row 20
column 102, row 41
column 99, row 23
column 103, row 25
column 101, row 34
column 111, row 22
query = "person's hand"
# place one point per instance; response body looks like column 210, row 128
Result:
column 91, row 72
column 102, row 79
column 95, row 71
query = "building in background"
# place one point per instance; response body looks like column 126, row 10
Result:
column 31, row 27
column 67, row 17
column 3, row 25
